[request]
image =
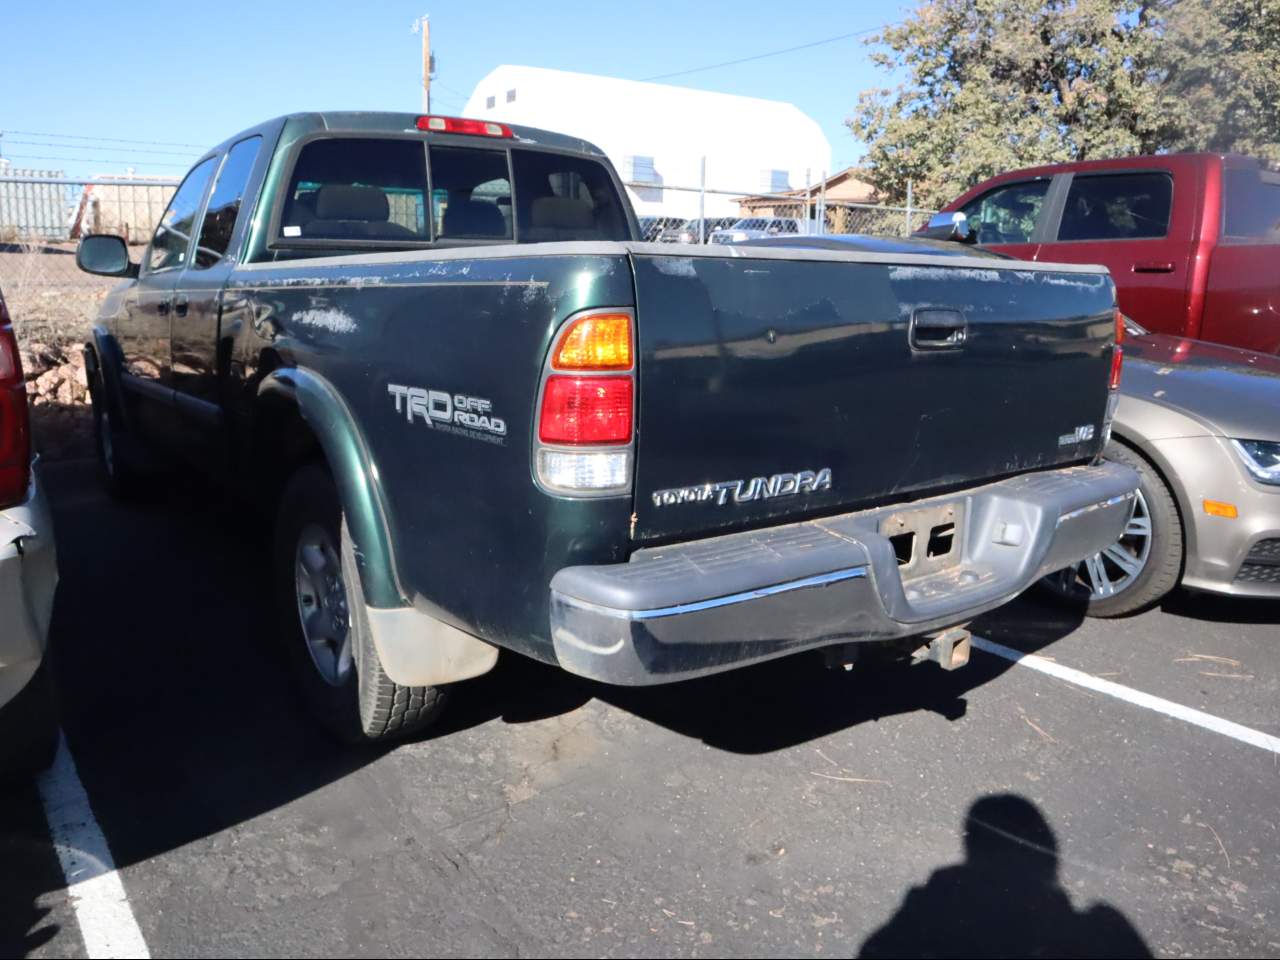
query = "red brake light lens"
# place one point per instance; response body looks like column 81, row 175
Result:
column 15, row 427
column 479, row 128
column 586, row 410
column 1117, row 352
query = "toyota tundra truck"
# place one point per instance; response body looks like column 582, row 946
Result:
column 485, row 416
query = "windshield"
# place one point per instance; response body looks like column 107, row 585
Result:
column 751, row 223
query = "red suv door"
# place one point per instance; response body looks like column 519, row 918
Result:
column 1128, row 220
column 1242, row 303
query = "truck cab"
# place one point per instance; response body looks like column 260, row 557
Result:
column 1192, row 240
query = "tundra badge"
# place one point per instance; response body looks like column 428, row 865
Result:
column 744, row 491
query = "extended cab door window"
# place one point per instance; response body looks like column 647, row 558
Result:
column 224, row 204
column 562, row 197
column 173, row 236
column 1252, row 204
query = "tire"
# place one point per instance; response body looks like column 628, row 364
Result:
column 1161, row 566
column 337, row 669
column 116, row 469
column 29, row 727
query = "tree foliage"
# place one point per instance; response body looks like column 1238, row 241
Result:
column 992, row 85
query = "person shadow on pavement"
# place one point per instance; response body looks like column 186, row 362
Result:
column 1005, row 900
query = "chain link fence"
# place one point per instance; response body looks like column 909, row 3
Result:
column 42, row 216
column 734, row 215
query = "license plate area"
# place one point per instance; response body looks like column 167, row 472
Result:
column 927, row 540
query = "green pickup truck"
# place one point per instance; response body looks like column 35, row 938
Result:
column 484, row 416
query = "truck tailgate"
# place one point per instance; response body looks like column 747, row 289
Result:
column 783, row 384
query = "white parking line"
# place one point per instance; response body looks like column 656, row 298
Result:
column 102, row 909
column 1255, row 738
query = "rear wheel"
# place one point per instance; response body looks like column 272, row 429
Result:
column 1141, row 567
column 324, row 625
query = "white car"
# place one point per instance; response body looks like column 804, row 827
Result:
column 757, row 228
column 28, row 577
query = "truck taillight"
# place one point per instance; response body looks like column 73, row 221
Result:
column 586, row 415
column 586, row 410
column 1117, row 352
column 15, row 427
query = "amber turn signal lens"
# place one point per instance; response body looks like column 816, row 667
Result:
column 1216, row 508
column 598, row 341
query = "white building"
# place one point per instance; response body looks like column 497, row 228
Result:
column 658, row 134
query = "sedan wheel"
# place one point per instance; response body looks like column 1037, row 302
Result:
column 1140, row 567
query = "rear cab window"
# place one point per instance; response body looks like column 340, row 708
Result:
column 358, row 192
column 358, row 189
column 1121, row 206
column 1251, row 208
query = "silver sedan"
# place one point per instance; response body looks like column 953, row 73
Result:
column 1201, row 424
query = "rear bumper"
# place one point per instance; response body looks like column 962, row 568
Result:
column 28, row 577
column 695, row 608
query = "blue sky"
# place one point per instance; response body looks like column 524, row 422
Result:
column 178, row 74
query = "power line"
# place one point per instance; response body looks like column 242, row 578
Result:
column 5, row 141
column 76, row 136
column 148, row 163
column 761, row 56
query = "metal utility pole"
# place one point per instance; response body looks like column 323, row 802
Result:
column 423, row 25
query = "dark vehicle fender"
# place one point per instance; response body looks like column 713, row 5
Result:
column 416, row 647
column 102, row 356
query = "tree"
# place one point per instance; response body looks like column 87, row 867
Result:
column 993, row 85
column 1222, row 75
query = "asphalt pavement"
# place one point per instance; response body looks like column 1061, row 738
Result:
column 782, row 809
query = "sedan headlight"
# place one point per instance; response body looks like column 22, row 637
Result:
column 1262, row 457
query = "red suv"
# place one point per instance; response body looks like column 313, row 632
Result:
column 1192, row 240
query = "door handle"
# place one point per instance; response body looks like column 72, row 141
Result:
column 162, row 307
column 180, row 306
column 1153, row 266
column 937, row 330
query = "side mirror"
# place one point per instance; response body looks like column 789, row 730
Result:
column 106, row 255
column 950, row 226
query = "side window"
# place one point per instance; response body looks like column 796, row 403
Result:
column 224, row 203
column 470, row 194
column 358, row 189
column 562, row 197
column 173, row 235
column 1252, row 204
column 1128, row 206
column 1008, row 213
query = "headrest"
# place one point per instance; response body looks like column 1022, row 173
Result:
column 473, row 218
column 564, row 213
column 339, row 202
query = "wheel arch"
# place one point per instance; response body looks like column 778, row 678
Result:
column 1168, row 476
column 102, row 356
column 290, row 397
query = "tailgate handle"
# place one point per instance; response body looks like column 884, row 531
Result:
column 1153, row 266
column 938, row 329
